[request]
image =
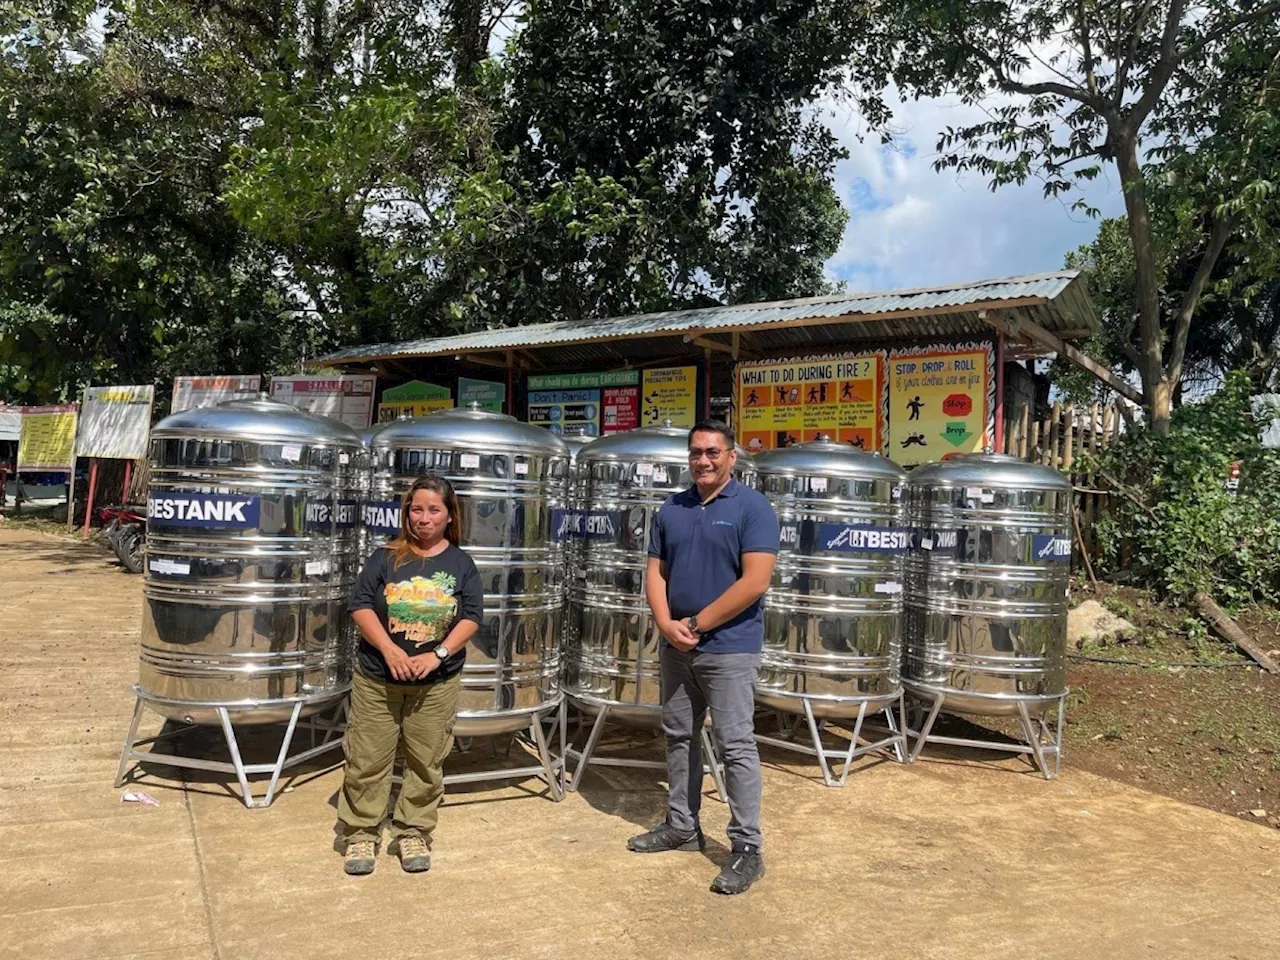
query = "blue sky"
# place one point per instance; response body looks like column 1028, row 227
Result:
column 912, row 227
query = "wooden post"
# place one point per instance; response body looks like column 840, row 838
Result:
column 88, row 503
column 1024, row 427
column 128, row 475
column 1054, row 428
column 1090, row 480
column 1032, row 455
column 1068, row 440
column 999, row 437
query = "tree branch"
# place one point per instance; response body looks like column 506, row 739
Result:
column 1124, row 66
column 1218, row 236
column 1220, row 31
column 1082, row 20
column 1009, row 85
column 1164, row 66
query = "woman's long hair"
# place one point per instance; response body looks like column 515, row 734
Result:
column 402, row 546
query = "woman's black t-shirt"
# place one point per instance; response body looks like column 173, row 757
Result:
column 418, row 603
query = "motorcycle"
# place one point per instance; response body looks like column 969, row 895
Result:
column 126, row 531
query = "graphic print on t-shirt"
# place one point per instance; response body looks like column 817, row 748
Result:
column 422, row 609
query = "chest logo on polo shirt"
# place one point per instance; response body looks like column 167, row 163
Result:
column 422, row 609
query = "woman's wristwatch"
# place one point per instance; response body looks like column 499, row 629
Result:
column 442, row 652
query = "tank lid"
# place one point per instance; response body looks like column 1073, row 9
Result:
column 824, row 458
column 989, row 470
column 476, row 429
column 666, row 443
column 253, row 419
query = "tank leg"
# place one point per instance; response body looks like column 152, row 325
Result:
column 816, row 732
column 714, row 764
column 898, row 727
column 584, row 758
column 540, row 739
column 926, row 728
column 280, row 759
column 853, row 743
column 129, row 739
column 563, row 724
column 225, row 719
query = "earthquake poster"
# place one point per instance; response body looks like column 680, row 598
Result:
column 191, row 392
column 585, row 405
column 348, row 397
column 941, row 400
column 841, row 397
column 670, row 393
column 115, row 422
column 413, row 399
column 48, row 438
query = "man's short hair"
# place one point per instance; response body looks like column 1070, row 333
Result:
column 712, row 426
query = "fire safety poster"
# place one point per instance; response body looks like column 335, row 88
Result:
column 840, row 397
column 941, row 400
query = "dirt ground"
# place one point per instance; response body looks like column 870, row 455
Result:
column 951, row 857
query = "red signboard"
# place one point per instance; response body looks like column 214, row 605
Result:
column 621, row 409
column 957, row 405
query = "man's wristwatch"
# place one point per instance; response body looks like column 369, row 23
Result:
column 692, row 624
column 442, row 652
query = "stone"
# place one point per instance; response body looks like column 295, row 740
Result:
column 1092, row 621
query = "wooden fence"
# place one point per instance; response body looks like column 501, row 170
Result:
column 1063, row 440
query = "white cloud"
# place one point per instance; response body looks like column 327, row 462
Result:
column 911, row 227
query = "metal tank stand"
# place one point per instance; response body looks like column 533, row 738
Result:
column 896, row 741
column 1043, row 740
column 330, row 727
column 550, row 769
column 586, row 757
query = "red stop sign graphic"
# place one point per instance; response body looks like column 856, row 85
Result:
column 957, row 405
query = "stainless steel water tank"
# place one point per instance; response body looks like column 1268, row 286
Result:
column 510, row 480
column 833, row 615
column 568, row 531
column 986, row 604
column 626, row 476
column 251, row 554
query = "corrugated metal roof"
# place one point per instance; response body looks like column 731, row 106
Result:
column 1061, row 292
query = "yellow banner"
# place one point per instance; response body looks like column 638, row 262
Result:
column 412, row 408
column 48, row 438
column 941, row 400
column 839, row 397
column 670, row 393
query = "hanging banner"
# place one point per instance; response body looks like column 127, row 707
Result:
column 48, row 438
column 115, row 423
column 841, row 397
column 670, row 393
column 941, row 400
column 189, row 392
column 585, row 405
column 348, row 397
column 491, row 396
column 10, row 423
column 413, row 399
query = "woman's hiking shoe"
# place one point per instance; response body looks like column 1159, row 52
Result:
column 360, row 858
column 414, row 855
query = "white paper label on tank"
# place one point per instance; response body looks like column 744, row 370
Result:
column 315, row 567
column 988, row 498
column 926, row 543
column 522, row 468
column 343, row 459
column 644, row 469
column 469, row 461
column 291, row 452
column 171, row 567
column 659, row 474
column 972, row 492
column 818, row 484
column 896, row 492
column 888, row 588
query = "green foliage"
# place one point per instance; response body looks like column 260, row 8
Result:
column 1186, row 530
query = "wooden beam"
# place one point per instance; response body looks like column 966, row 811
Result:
column 707, row 343
column 736, row 339
column 1022, row 327
column 484, row 361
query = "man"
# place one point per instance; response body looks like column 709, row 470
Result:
column 711, row 556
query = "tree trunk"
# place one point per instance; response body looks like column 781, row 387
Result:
column 1156, row 391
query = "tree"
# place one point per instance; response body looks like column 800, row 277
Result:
column 1181, row 99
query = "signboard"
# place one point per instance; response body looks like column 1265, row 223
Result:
column 941, row 400
column 48, row 438
column 670, row 393
column 585, row 405
column 115, row 423
column 189, row 392
column 413, row 399
column 10, row 423
column 491, row 396
column 348, row 397
column 841, row 397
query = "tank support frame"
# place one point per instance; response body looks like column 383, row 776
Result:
column 587, row 756
column 331, row 727
column 1043, row 744
column 550, row 769
column 896, row 741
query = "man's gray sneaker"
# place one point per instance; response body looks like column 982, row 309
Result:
column 744, row 868
column 665, row 837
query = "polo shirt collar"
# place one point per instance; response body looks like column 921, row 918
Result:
column 730, row 490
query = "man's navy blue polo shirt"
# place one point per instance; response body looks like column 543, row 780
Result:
column 702, row 546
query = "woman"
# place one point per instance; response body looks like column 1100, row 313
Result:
column 417, row 603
